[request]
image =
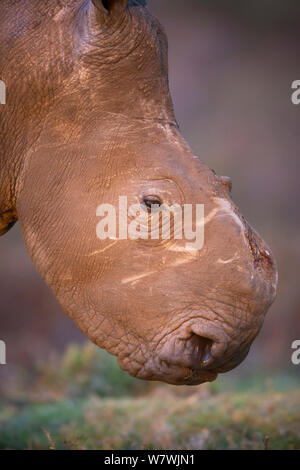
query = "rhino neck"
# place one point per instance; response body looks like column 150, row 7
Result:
column 35, row 59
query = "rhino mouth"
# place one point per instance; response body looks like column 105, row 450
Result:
column 194, row 359
column 174, row 374
column 179, row 375
column 179, row 362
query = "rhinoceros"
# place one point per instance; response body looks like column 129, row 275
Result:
column 88, row 118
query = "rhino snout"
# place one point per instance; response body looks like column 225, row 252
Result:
column 201, row 355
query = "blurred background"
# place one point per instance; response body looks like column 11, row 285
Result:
column 231, row 68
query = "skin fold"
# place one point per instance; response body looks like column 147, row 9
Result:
column 89, row 118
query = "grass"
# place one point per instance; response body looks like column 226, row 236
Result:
column 84, row 401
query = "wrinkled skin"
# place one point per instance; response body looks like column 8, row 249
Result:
column 89, row 118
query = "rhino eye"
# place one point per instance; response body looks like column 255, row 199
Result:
column 150, row 201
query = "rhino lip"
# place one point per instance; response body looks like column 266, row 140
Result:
column 234, row 360
column 187, row 360
column 192, row 371
column 198, row 376
column 199, row 354
column 177, row 374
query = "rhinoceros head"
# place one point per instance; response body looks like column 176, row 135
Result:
column 171, row 309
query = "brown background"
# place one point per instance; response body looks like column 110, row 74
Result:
column 231, row 68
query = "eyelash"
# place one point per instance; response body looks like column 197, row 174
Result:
column 150, row 201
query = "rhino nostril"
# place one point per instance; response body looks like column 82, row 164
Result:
column 198, row 348
column 215, row 341
column 201, row 350
column 207, row 357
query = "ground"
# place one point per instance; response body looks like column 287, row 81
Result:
column 83, row 401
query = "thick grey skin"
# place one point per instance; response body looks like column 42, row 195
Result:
column 89, row 118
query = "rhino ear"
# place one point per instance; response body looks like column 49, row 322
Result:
column 111, row 6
